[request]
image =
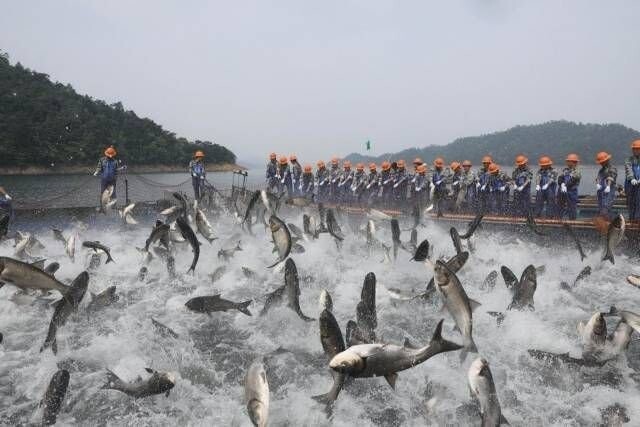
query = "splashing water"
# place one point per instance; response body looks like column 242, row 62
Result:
column 212, row 353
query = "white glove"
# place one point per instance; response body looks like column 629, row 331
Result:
column 520, row 188
column 456, row 183
column 95, row 173
column 202, row 178
column 538, row 187
column 598, row 187
column 483, row 187
column 477, row 185
column 438, row 182
column 502, row 188
column 544, row 187
column 563, row 187
column 607, row 189
column 6, row 196
column 634, row 181
column 395, row 185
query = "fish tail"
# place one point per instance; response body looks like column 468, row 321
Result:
column 109, row 259
column 440, row 343
column 242, row 307
column 609, row 257
column 113, row 381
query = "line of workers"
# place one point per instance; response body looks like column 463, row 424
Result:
column 457, row 187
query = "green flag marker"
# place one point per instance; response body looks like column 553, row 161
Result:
column 368, row 145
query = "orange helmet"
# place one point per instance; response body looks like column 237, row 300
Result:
column 494, row 168
column 572, row 158
column 386, row 166
column 438, row 162
column 272, row 156
column 487, row 160
column 466, row 164
column 602, row 157
column 636, row 144
column 283, row 160
column 545, row 161
column 417, row 161
column 422, row 169
column 307, row 168
column 400, row 163
column 521, row 160
column 360, row 167
column 455, row 166
column 293, row 157
column 320, row 164
column 372, row 167
column 334, row 161
column 346, row 164
column 110, row 152
column 198, row 154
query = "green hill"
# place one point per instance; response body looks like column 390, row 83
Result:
column 555, row 139
column 43, row 123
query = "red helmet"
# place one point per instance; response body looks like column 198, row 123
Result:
column 422, row 169
column 360, row 167
column 417, row 161
column 455, row 166
column 545, row 161
column 110, row 151
column 602, row 157
column 400, row 163
column 334, row 161
column 320, row 164
column 198, row 154
column 572, row 158
column 636, row 144
column 293, row 157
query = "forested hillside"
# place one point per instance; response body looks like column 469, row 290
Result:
column 555, row 139
column 43, row 123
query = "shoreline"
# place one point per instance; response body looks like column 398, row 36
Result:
column 79, row 170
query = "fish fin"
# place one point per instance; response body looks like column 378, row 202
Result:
column 609, row 257
column 151, row 371
column 242, row 307
column 473, row 304
column 391, row 379
column 503, row 420
column 276, row 263
column 113, row 381
column 441, row 342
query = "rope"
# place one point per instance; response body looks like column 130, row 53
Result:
column 152, row 183
column 41, row 203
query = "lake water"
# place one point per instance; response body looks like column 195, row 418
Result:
column 83, row 190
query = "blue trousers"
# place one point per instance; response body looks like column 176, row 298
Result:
column 521, row 202
column 546, row 198
column 197, row 183
column 568, row 204
column 605, row 202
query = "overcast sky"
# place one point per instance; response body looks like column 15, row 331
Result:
column 321, row 78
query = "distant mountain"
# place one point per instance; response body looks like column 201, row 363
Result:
column 43, row 123
column 555, row 139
